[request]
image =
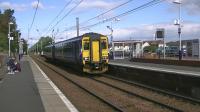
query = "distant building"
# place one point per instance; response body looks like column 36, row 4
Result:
column 159, row 43
column 127, row 48
column 191, row 47
column 134, row 48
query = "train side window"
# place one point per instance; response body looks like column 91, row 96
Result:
column 103, row 45
column 86, row 46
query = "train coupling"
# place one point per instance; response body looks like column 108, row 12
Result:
column 96, row 65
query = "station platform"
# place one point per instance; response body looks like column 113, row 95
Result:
column 182, row 70
column 31, row 91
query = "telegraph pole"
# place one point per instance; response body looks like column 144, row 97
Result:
column 77, row 26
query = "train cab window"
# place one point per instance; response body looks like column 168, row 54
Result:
column 86, row 46
column 103, row 45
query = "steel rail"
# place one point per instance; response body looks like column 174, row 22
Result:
column 85, row 89
column 189, row 99
column 140, row 96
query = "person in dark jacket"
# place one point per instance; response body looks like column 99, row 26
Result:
column 11, row 65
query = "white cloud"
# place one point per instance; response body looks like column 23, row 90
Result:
column 5, row 5
column 89, row 5
column 17, row 7
column 192, row 7
column 97, row 4
column 143, row 32
column 35, row 3
column 189, row 31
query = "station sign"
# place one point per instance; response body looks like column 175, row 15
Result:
column 11, row 38
column 160, row 33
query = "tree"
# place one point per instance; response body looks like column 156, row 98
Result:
column 151, row 48
column 44, row 41
column 5, row 18
column 25, row 45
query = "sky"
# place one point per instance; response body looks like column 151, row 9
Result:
column 138, row 25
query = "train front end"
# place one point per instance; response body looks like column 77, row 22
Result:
column 95, row 53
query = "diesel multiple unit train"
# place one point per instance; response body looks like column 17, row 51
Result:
column 88, row 52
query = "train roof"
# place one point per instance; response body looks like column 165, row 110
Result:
column 94, row 35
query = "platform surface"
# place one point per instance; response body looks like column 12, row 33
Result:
column 182, row 70
column 31, row 91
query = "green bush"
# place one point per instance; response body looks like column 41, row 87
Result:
column 151, row 48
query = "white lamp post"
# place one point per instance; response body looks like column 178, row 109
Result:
column 178, row 22
column 111, row 29
column 9, row 38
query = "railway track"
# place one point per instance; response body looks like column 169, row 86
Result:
column 125, row 92
column 165, row 99
column 178, row 96
column 140, row 96
column 85, row 89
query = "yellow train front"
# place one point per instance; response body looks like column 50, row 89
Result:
column 94, row 53
column 88, row 52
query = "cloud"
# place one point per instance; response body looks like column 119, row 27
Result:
column 191, row 7
column 96, row 4
column 23, row 7
column 5, row 5
column 190, row 30
column 35, row 3
column 88, row 5
column 146, row 32
column 17, row 7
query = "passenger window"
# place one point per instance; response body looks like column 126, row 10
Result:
column 103, row 45
column 86, row 46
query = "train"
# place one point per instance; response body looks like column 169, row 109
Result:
column 88, row 52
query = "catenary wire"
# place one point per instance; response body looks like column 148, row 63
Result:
column 60, row 12
column 118, row 6
column 149, row 4
column 34, row 15
column 72, row 9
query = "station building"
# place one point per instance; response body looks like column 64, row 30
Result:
column 134, row 48
column 191, row 46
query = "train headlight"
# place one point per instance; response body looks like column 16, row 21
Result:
column 86, row 58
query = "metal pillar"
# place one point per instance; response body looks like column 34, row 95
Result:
column 9, row 39
column 179, row 28
column 77, row 26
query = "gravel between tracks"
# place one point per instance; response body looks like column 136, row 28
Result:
column 81, row 99
column 182, row 105
column 124, row 101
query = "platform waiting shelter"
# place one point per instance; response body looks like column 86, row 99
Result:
column 127, row 49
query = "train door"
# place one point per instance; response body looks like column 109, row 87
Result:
column 95, row 51
column 85, row 49
column 104, row 49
